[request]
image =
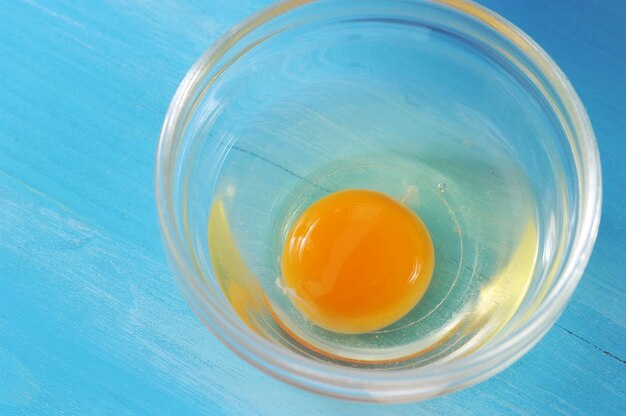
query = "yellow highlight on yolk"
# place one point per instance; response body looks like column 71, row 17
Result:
column 356, row 261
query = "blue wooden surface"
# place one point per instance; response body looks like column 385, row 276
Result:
column 91, row 321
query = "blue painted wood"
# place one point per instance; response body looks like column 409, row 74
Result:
column 90, row 319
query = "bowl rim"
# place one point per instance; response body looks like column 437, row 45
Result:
column 385, row 385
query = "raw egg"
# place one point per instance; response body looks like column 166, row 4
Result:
column 356, row 261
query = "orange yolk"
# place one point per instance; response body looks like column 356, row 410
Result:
column 356, row 261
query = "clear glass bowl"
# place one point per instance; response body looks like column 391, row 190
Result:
column 442, row 103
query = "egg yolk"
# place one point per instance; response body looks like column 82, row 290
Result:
column 356, row 261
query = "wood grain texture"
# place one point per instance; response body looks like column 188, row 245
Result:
column 91, row 321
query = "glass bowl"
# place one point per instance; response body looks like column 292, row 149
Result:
column 441, row 104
